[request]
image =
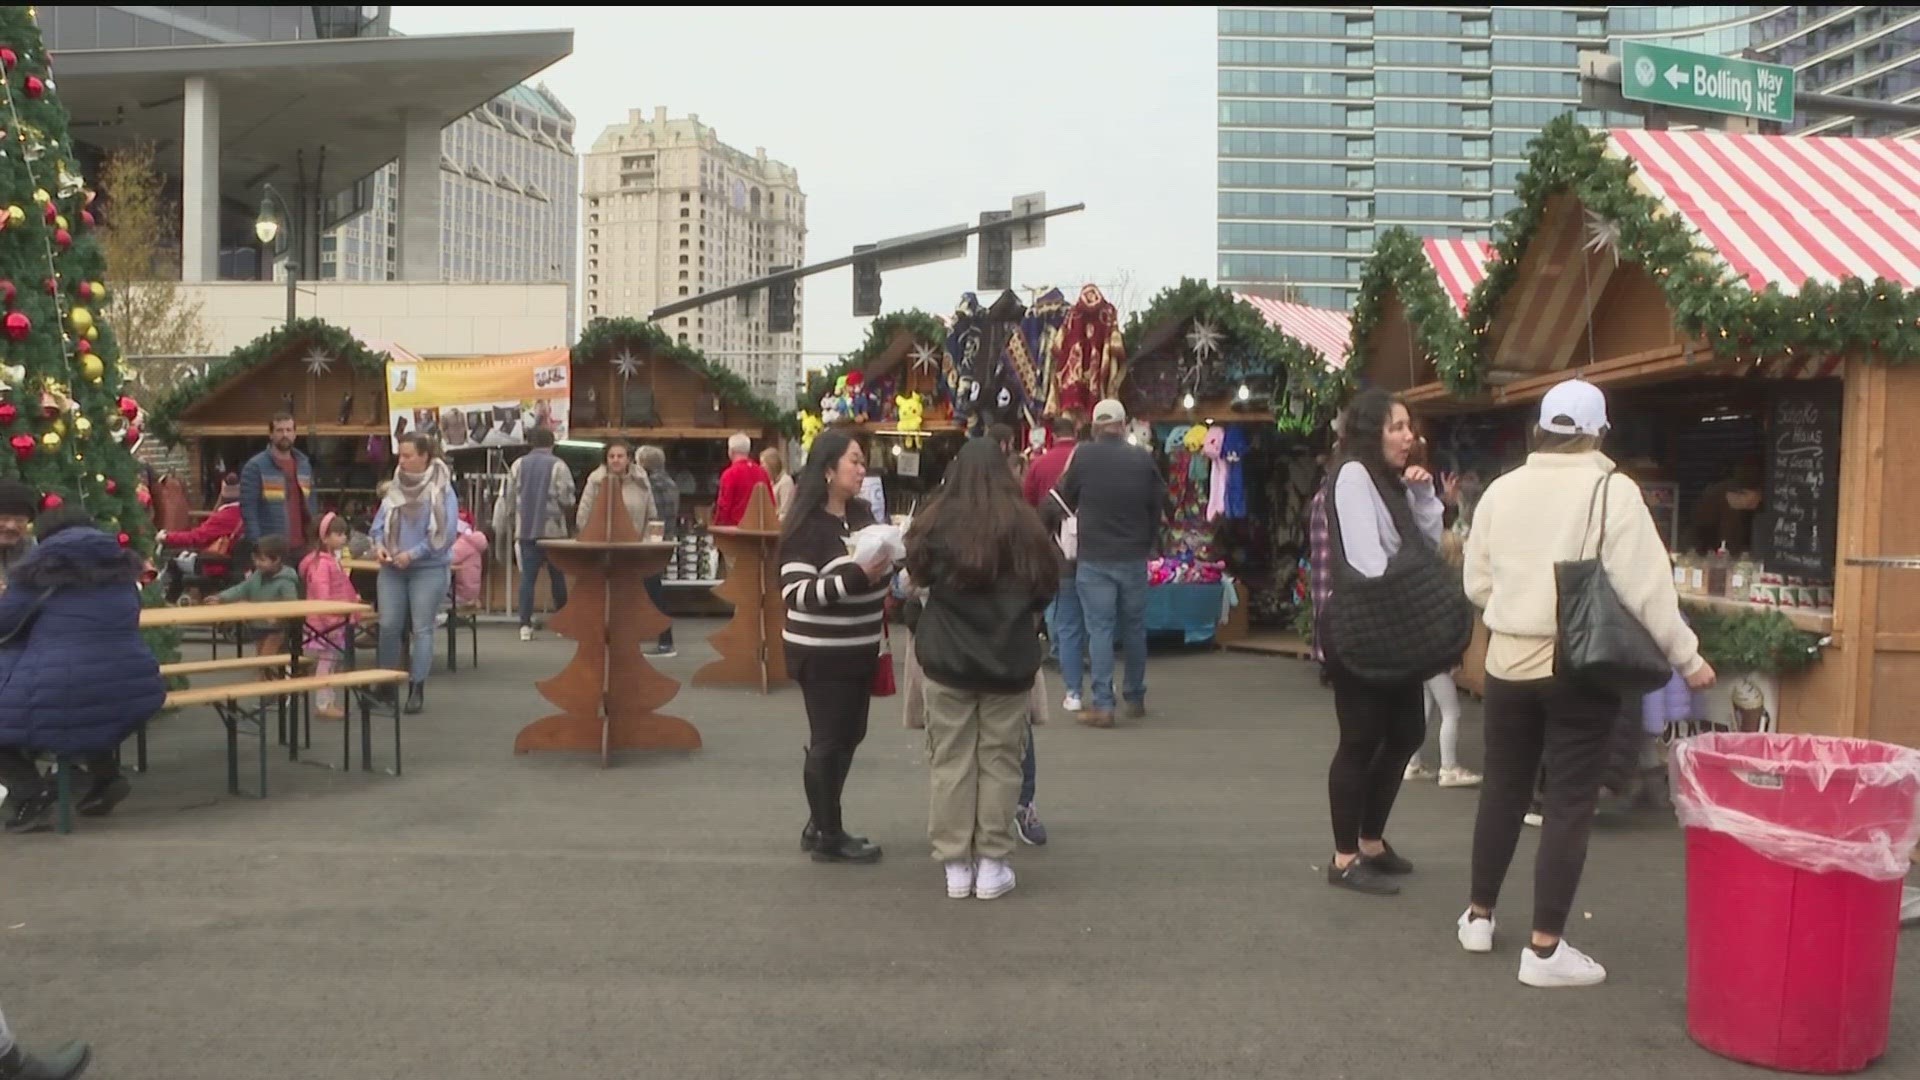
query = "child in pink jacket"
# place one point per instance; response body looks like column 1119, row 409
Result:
column 323, row 578
column 469, row 559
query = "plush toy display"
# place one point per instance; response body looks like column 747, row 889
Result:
column 912, row 416
column 810, row 425
column 859, row 403
column 837, row 407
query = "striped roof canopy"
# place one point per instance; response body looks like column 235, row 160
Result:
column 1326, row 331
column 1784, row 211
column 1460, row 265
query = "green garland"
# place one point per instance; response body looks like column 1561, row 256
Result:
column 164, row 417
column 1877, row 321
column 1288, row 362
column 603, row 337
column 1399, row 263
column 925, row 328
column 1762, row 642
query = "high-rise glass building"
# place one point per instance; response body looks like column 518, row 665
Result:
column 1335, row 122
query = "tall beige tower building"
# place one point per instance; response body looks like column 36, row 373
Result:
column 672, row 212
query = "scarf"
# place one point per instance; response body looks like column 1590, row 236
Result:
column 420, row 492
column 536, row 489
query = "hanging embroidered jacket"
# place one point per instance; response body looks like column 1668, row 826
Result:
column 1031, row 351
column 1002, row 396
column 966, row 349
column 1089, row 355
column 1233, row 451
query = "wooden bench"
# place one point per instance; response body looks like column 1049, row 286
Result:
column 188, row 668
column 229, row 702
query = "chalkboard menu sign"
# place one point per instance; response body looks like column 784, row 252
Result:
column 1803, row 477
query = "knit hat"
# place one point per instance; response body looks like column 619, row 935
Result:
column 230, row 488
column 17, row 499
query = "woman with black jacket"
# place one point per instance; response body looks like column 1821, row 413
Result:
column 989, row 569
column 834, row 607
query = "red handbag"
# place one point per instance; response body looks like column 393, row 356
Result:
column 883, row 684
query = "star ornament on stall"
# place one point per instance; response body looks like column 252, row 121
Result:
column 318, row 363
column 1204, row 340
column 627, row 364
column 924, row 358
column 1603, row 235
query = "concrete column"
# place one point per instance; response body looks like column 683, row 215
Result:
column 200, row 183
column 420, row 199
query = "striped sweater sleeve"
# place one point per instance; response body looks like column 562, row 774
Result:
column 830, row 604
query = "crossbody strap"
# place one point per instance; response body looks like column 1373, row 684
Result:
column 1599, row 495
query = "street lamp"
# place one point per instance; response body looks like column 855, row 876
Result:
column 267, row 226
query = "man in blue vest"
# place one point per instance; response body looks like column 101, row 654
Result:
column 276, row 490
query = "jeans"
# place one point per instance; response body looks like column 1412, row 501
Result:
column 1029, row 770
column 409, row 599
column 1569, row 729
column 532, row 558
column 1067, row 634
column 657, row 592
column 1381, row 727
column 1114, row 598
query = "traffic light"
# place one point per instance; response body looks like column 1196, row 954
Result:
column 780, row 304
column 995, row 273
column 866, row 289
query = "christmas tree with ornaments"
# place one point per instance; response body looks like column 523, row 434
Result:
column 69, row 426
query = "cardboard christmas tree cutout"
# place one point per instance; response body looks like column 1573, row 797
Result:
column 69, row 427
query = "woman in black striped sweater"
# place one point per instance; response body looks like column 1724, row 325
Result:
column 834, row 609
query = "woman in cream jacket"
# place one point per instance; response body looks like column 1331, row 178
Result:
column 1528, row 520
column 617, row 468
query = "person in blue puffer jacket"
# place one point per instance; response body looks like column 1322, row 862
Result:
column 76, row 677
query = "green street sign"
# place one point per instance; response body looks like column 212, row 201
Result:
column 1705, row 82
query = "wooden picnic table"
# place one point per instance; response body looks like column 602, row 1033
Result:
column 269, row 611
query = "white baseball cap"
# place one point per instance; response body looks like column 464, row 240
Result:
column 1574, row 408
column 1110, row 411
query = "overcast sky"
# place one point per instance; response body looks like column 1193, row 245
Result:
column 904, row 119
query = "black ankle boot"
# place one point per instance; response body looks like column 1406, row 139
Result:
column 416, row 698
column 843, row 848
column 30, row 814
column 105, row 794
column 64, row 1063
column 810, row 837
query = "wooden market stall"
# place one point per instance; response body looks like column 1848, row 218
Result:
column 1220, row 380
column 894, row 394
column 1740, row 298
column 331, row 382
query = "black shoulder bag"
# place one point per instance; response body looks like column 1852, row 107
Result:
column 1598, row 641
column 1407, row 625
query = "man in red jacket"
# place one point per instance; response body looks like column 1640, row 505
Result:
column 209, row 545
column 738, row 482
column 1045, row 471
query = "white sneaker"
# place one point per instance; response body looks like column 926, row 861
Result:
column 526, row 633
column 1567, row 966
column 1417, row 771
column 440, row 619
column 959, row 879
column 1072, row 703
column 1534, row 819
column 1476, row 935
column 994, row 880
column 1459, row 777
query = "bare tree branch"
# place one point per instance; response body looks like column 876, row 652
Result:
column 140, row 240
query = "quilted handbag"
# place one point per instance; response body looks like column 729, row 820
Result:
column 1407, row 625
column 1598, row 641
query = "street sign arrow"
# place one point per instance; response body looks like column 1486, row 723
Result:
column 1677, row 78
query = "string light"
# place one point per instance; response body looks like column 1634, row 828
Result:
column 1187, row 402
column 1245, row 392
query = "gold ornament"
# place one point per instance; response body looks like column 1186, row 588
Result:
column 81, row 319
column 92, row 368
column 99, row 291
column 60, row 427
column 82, row 426
column 50, row 441
column 93, row 333
column 59, row 221
column 16, row 217
column 40, row 196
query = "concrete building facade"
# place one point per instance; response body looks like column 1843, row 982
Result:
column 670, row 212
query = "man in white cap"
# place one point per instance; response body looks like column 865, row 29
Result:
column 1115, row 490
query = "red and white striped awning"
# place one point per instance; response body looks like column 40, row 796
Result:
column 1324, row 330
column 1783, row 211
column 1460, row 265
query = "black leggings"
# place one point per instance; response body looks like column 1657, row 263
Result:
column 838, row 692
column 1381, row 727
column 1567, row 728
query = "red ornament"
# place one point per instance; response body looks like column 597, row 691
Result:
column 129, row 408
column 35, row 88
column 8, row 413
column 125, row 540
column 133, row 436
column 8, row 292
column 22, row 446
column 113, row 487
column 52, row 211
column 8, row 58
column 62, row 238
column 86, row 218
column 52, row 287
column 51, row 501
column 145, row 497
column 83, row 346
column 18, row 325
column 84, row 290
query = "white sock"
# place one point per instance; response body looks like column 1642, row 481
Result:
column 1442, row 694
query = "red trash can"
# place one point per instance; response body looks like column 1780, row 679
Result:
column 1796, row 849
